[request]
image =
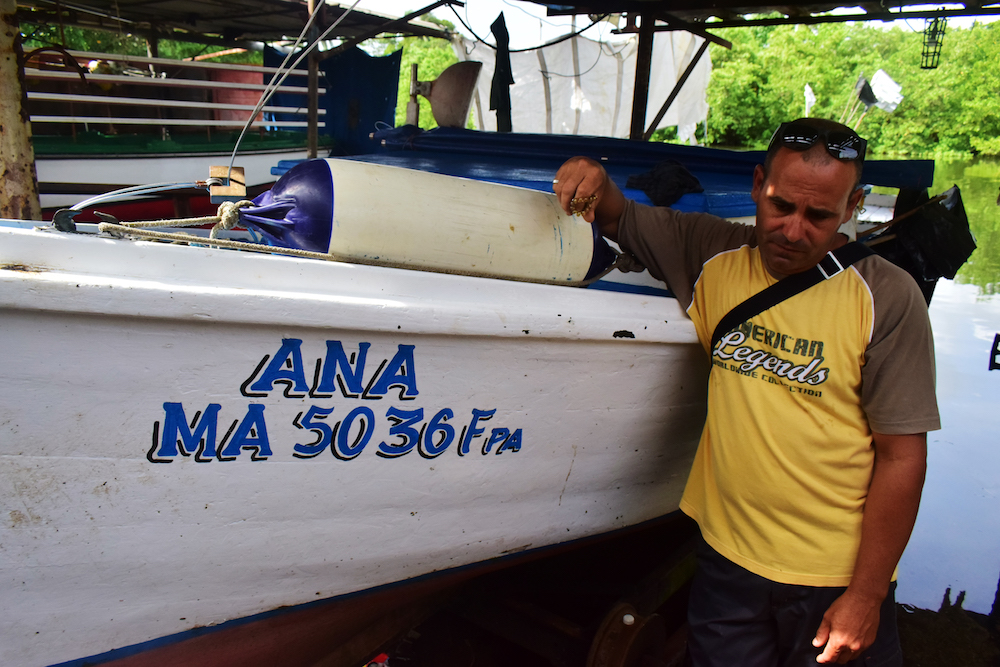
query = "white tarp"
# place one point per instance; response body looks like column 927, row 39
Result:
column 599, row 100
column 810, row 100
column 887, row 92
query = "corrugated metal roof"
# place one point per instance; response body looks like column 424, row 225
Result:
column 209, row 20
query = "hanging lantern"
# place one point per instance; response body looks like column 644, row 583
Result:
column 930, row 56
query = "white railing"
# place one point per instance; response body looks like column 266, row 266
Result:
column 224, row 94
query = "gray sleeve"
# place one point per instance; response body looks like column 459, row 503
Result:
column 898, row 377
column 674, row 245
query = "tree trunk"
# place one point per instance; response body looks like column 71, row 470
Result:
column 18, row 183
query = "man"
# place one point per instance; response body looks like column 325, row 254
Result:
column 810, row 466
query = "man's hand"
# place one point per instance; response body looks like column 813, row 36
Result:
column 850, row 624
column 581, row 178
column 848, row 628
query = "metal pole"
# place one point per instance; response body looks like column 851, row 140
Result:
column 644, row 59
column 676, row 91
column 576, row 76
column 312, row 132
column 18, row 184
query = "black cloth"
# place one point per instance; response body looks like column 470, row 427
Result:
column 736, row 617
column 503, row 76
column 867, row 95
column 665, row 183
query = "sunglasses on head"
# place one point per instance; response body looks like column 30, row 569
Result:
column 846, row 146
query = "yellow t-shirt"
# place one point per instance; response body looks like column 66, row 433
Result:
column 780, row 478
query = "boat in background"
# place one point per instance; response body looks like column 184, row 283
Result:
column 103, row 122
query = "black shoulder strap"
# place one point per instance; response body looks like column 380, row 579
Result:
column 832, row 264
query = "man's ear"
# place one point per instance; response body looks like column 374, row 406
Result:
column 853, row 201
column 758, row 183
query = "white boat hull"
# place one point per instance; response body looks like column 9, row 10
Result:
column 590, row 403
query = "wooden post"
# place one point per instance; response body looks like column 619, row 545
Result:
column 643, row 63
column 18, row 183
column 312, row 132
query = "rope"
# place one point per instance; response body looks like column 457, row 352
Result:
column 183, row 222
column 121, row 230
column 229, row 216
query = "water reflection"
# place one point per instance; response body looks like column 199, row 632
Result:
column 956, row 542
column 979, row 180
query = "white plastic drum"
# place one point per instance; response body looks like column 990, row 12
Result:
column 429, row 221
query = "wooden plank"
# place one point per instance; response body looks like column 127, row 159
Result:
column 141, row 101
column 673, row 24
column 167, row 121
column 643, row 60
column 59, row 75
column 167, row 62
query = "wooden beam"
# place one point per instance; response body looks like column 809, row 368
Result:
column 643, row 64
column 673, row 23
column 178, row 122
column 312, row 130
column 189, row 63
column 151, row 102
column 52, row 75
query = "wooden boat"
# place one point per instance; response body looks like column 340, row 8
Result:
column 192, row 435
column 198, row 440
column 200, row 445
column 216, row 457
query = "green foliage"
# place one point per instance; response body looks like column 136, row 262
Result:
column 432, row 57
column 447, row 25
column 738, row 91
column 665, row 134
column 81, row 39
column 760, row 83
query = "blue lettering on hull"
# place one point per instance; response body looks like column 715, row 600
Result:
column 341, row 431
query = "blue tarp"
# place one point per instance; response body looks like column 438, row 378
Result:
column 361, row 93
column 531, row 161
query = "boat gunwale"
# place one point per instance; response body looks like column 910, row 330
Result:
column 371, row 298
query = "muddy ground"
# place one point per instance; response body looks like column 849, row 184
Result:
column 949, row 637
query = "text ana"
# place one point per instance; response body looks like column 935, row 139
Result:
column 344, row 432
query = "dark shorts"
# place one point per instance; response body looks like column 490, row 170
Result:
column 739, row 619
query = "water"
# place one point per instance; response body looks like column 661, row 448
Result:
column 956, row 541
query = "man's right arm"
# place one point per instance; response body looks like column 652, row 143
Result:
column 581, row 178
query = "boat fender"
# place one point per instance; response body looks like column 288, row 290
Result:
column 378, row 214
column 296, row 211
